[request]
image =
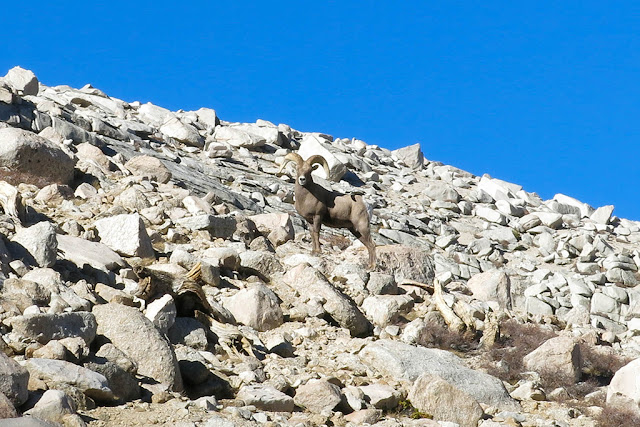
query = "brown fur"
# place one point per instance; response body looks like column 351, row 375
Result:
column 320, row 206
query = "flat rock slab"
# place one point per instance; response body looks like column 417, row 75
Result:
column 56, row 373
column 83, row 252
column 45, row 327
column 266, row 398
column 404, row 361
column 136, row 336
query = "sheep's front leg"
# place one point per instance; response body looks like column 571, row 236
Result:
column 315, row 234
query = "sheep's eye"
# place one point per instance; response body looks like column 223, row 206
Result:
column 314, row 167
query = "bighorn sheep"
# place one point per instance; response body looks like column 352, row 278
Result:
column 321, row 206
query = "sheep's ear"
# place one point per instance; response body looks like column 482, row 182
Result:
column 316, row 166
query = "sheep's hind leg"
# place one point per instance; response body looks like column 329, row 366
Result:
column 367, row 241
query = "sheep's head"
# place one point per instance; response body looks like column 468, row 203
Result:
column 305, row 167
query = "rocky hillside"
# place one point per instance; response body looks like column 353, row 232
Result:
column 154, row 271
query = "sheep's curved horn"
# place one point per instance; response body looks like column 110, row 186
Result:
column 291, row 157
column 316, row 158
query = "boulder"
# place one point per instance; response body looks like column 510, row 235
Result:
column 7, row 410
column 59, row 373
column 385, row 309
column 131, row 332
column 14, row 379
column 44, row 327
column 307, row 281
column 492, row 285
column 257, row 307
column 624, row 389
column 27, row 153
column 411, row 156
column 262, row 262
column 406, row 263
column 83, row 252
column 404, row 361
column 24, row 82
column 558, row 356
column 53, row 406
column 435, row 396
column 439, row 190
column 381, row 396
column 126, row 234
column 37, row 244
column 237, row 137
column 162, row 312
column 318, row 396
column 183, row 132
column 265, row 398
column 150, row 167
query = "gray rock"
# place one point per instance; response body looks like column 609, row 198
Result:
column 406, row 263
column 266, row 398
column 223, row 226
column 153, row 114
column 492, row 285
column 318, row 396
column 58, row 373
column 438, row 190
column 37, row 243
column 550, row 219
column 277, row 227
column 27, row 422
column 45, row 327
column 308, row 281
column 25, row 152
column 435, row 396
column 602, row 215
column 126, row 234
column 13, row 380
column 6, row 94
column 491, row 215
column 537, row 307
column 130, row 331
column 53, row 406
column 149, row 166
column 403, row 361
column 624, row 389
column 411, row 156
column 183, row 132
column 92, row 154
column 262, row 262
column 189, row 332
column 193, row 366
column 383, row 310
column 381, row 284
column 83, row 252
column 162, row 312
column 381, row 396
column 237, row 137
column 256, row 306
column 498, row 189
column 24, row 82
column 604, row 304
column 7, row 409
column 364, row 417
column 559, row 356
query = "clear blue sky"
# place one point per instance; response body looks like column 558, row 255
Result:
column 543, row 94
